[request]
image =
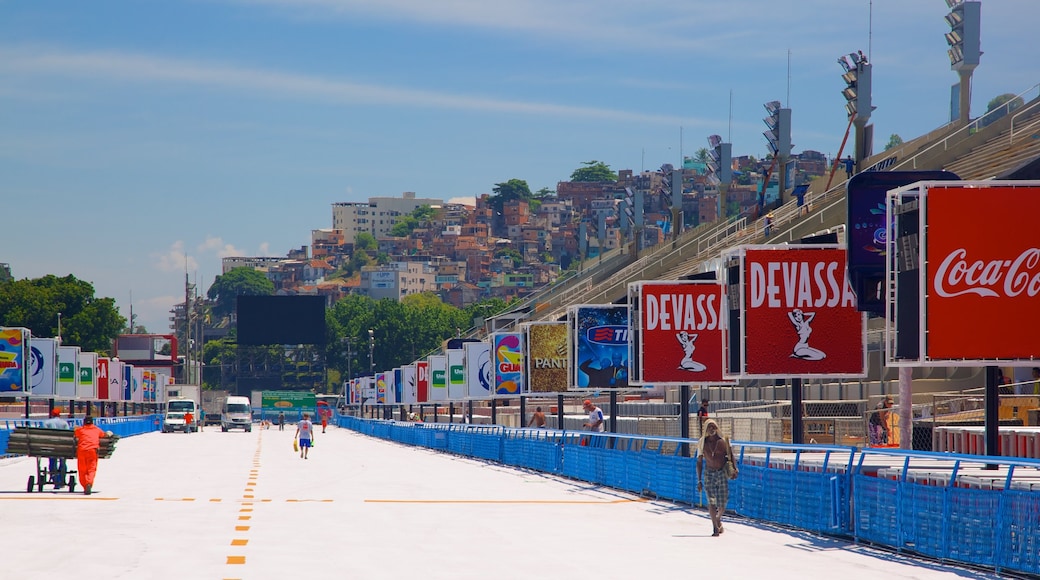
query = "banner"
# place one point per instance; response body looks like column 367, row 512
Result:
column 982, row 273
column 599, row 345
column 68, row 371
column 398, row 389
column 798, row 314
column 287, row 400
column 438, row 377
column 115, row 380
column 509, row 363
column 547, row 361
column 456, row 373
column 681, row 332
column 128, row 382
column 86, row 385
column 422, row 381
column 138, row 385
column 479, row 370
column 14, row 361
column 102, row 378
column 409, row 392
column 43, row 366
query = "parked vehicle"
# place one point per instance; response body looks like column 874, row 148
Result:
column 213, row 405
column 237, row 413
column 174, row 421
column 184, row 406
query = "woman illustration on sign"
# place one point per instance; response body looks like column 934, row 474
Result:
column 687, row 363
column 801, row 321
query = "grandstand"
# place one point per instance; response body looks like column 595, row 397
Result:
column 1001, row 144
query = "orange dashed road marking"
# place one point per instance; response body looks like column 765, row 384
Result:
column 239, row 542
column 236, row 559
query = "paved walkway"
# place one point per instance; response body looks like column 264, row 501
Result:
column 244, row 505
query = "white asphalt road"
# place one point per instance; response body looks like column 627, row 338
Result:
column 218, row 505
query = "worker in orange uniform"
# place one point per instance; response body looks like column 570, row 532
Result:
column 88, row 441
column 188, row 419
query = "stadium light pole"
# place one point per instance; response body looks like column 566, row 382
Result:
column 372, row 351
column 965, row 48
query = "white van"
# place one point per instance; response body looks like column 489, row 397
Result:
column 235, row 413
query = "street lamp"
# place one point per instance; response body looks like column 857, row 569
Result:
column 371, row 351
column 59, row 328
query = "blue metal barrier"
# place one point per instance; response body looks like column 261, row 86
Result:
column 121, row 426
column 966, row 508
column 868, row 495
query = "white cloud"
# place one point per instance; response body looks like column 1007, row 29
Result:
column 175, row 259
column 218, row 247
column 153, row 69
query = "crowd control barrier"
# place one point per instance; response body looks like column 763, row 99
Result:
column 976, row 510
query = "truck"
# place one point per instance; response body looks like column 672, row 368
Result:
column 213, row 404
column 192, row 392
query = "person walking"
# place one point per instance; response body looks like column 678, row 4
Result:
column 281, row 421
column 713, row 451
column 88, row 442
column 188, row 420
column 537, row 419
column 305, row 433
column 57, row 466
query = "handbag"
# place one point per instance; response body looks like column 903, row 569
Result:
column 731, row 470
column 295, row 445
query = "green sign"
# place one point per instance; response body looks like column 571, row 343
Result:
column 457, row 376
column 287, row 400
column 438, row 379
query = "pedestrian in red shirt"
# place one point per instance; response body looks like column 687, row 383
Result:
column 88, row 441
column 188, row 419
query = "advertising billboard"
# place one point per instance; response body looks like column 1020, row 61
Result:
column 548, row 365
column 43, row 366
column 797, row 314
column 14, row 360
column 599, row 346
column 480, row 370
column 974, row 278
column 422, row 381
column 68, row 371
column 438, row 377
column 509, row 362
column 456, row 373
column 679, row 332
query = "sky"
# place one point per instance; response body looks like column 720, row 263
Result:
column 141, row 141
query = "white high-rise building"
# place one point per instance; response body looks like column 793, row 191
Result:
column 377, row 216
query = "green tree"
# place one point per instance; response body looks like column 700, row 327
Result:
column 702, row 155
column 593, row 171
column 365, row 241
column 512, row 254
column 241, row 281
column 86, row 321
column 894, row 141
column 505, row 192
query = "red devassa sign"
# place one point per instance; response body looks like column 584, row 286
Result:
column 682, row 334
column 800, row 314
column 982, row 277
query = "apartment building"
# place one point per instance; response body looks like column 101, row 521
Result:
column 378, row 215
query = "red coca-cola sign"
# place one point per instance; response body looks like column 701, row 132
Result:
column 982, row 273
column 682, row 334
column 799, row 314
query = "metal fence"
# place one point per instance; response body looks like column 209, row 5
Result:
column 976, row 510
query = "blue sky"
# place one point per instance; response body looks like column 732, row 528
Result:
column 140, row 139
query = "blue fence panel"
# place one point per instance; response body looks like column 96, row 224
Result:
column 814, row 488
column 971, row 524
column 1019, row 539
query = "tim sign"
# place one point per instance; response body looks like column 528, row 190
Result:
column 982, row 275
column 799, row 313
column 682, row 332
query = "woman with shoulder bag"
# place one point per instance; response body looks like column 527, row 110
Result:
column 715, row 453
